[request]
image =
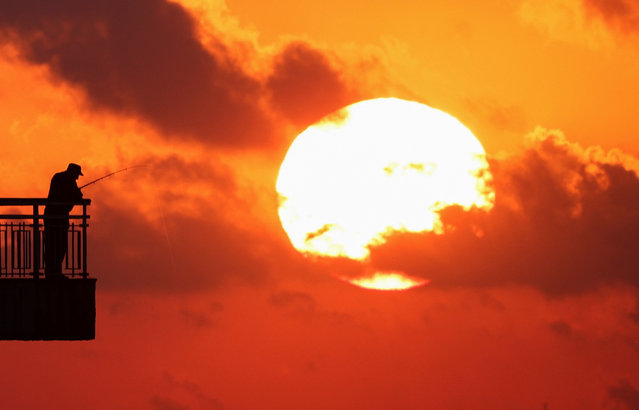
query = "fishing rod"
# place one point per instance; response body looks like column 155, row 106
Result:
column 111, row 174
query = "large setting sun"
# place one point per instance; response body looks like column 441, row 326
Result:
column 375, row 168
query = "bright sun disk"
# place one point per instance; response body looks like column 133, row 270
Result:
column 375, row 168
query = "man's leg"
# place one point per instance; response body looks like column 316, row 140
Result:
column 55, row 249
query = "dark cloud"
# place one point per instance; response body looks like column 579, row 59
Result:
column 565, row 221
column 303, row 306
column 173, row 170
column 624, row 13
column 624, row 396
column 610, row 8
column 188, row 390
column 122, row 306
column 166, row 403
column 202, row 317
column 561, row 328
column 144, row 59
column 304, row 86
column 634, row 316
column 141, row 58
column 178, row 253
column 295, row 302
column 197, row 318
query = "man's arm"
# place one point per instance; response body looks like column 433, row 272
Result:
column 77, row 193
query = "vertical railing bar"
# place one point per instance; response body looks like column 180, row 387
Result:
column 6, row 248
column 37, row 245
column 15, row 247
column 70, row 247
column 3, row 239
column 24, row 250
column 27, row 244
column 13, row 250
column 66, row 259
column 11, row 247
column 80, row 259
column 20, row 249
column 84, row 241
column 16, row 244
column 71, row 254
column 78, row 251
column 1, row 248
column 42, row 260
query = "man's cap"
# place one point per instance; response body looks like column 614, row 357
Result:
column 75, row 168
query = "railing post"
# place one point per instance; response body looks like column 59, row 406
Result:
column 84, row 241
column 36, row 241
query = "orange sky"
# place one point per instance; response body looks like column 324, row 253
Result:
column 203, row 303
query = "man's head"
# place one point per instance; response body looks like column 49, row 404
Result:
column 75, row 170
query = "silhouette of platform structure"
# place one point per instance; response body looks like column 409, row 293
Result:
column 31, row 306
column 40, row 309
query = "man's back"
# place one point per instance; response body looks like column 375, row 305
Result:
column 63, row 188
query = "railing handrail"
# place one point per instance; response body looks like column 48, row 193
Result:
column 33, row 216
column 39, row 201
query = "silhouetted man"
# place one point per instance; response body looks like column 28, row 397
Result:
column 63, row 188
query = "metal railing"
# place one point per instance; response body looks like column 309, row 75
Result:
column 22, row 244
